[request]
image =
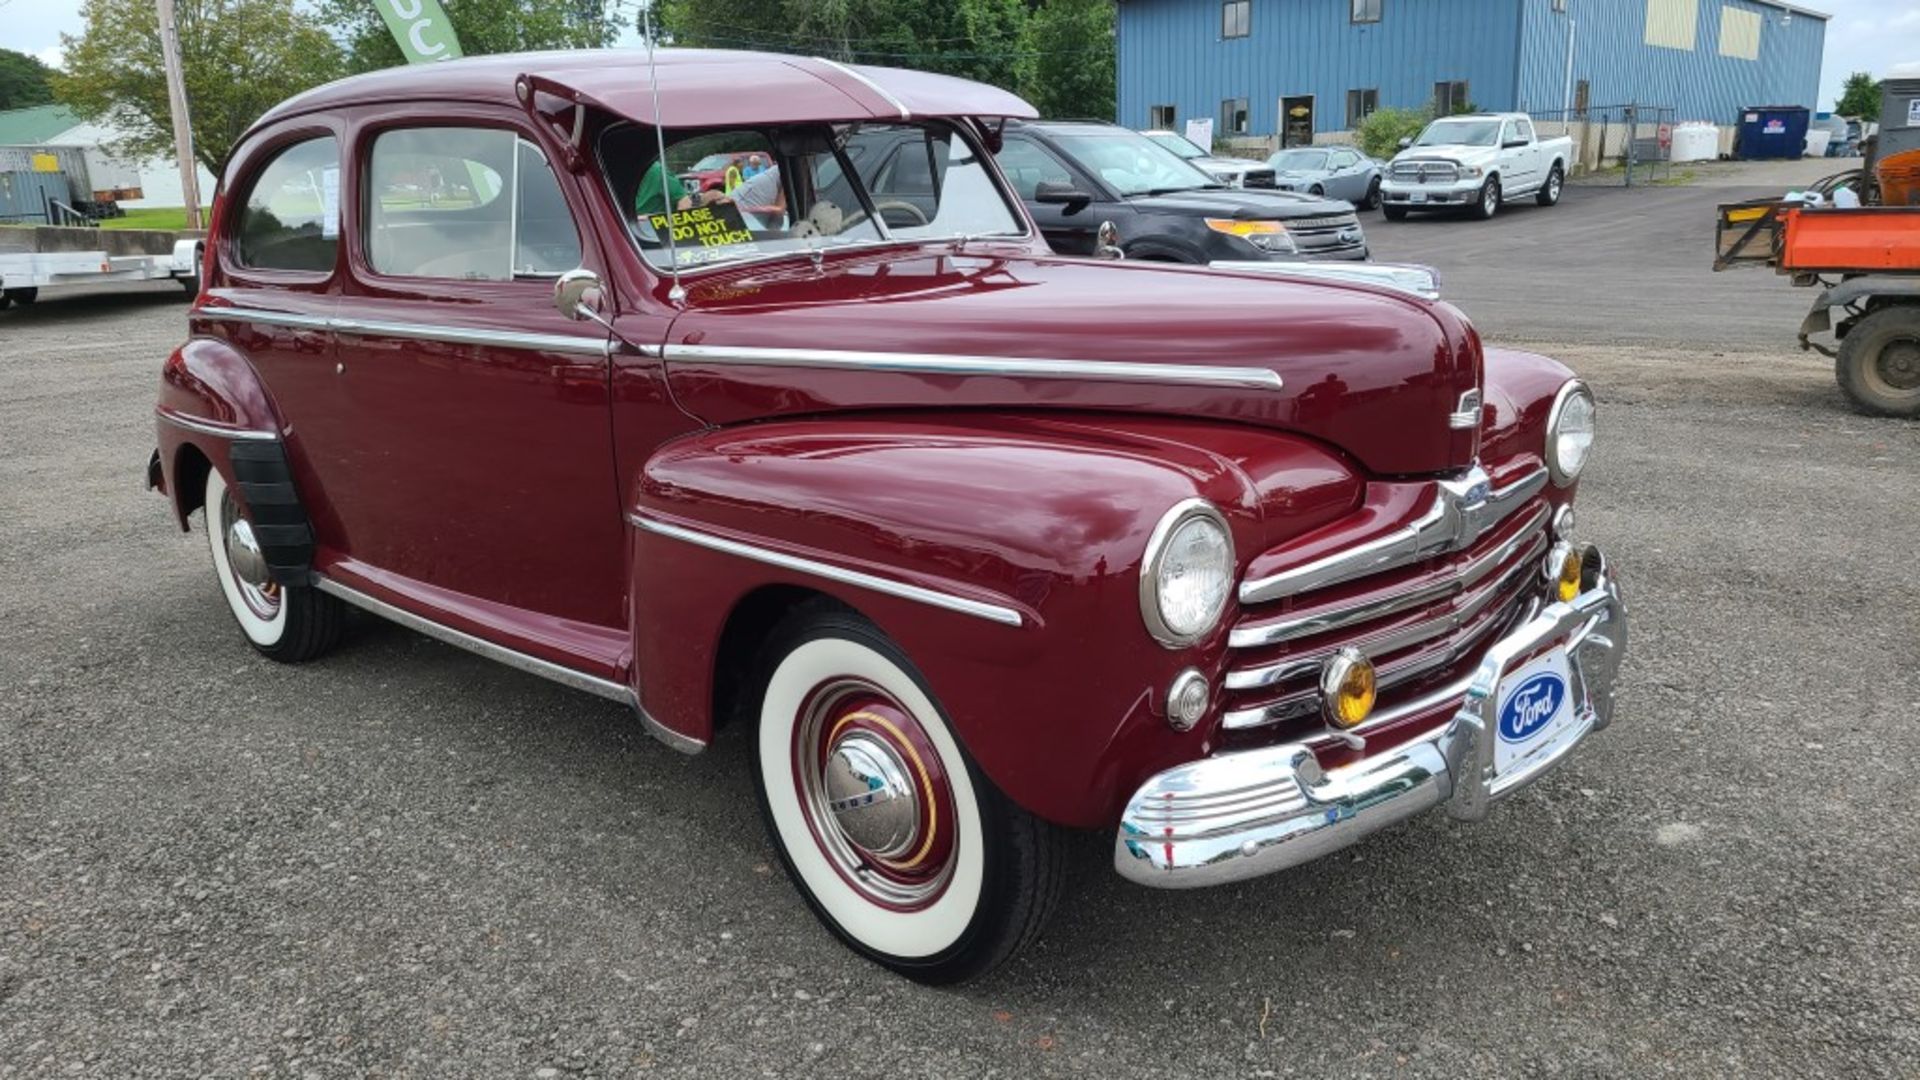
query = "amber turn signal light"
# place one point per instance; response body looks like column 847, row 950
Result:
column 1348, row 688
column 1566, row 583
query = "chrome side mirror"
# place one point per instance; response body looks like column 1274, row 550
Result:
column 1106, row 242
column 576, row 294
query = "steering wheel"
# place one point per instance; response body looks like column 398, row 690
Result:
column 919, row 215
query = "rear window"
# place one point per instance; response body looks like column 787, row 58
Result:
column 291, row 220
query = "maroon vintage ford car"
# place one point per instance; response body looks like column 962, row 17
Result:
column 981, row 544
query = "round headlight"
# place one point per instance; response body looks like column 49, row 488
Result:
column 1187, row 574
column 1570, row 432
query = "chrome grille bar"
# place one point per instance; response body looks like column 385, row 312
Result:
column 1390, row 641
column 1254, row 635
column 1462, row 510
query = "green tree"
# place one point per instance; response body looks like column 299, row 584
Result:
column 975, row 39
column 24, row 80
column 239, row 58
column 483, row 26
column 1380, row 133
column 1860, row 96
column 1070, row 58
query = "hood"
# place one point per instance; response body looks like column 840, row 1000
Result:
column 1226, row 165
column 1239, row 203
column 1370, row 371
column 1458, row 155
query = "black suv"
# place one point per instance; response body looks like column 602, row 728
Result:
column 1074, row 174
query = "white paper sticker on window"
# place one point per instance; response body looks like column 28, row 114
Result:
column 330, row 203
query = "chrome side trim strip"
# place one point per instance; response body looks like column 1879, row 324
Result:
column 453, row 335
column 513, row 658
column 208, row 427
column 264, row 318
column 463, row 335
column 1463, row 508
column 933, row 598
column 901, row 106
column 1011, row 367
column 1319, row 622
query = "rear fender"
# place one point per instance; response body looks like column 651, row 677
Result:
column 211, row 401
column 1002, row 553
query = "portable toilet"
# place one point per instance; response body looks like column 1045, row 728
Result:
column 1772, row 131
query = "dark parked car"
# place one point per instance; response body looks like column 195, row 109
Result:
column 1074, row 175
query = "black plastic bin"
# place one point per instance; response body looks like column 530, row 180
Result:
column 1771, row 132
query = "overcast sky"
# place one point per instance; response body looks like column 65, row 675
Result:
column 1864, row 35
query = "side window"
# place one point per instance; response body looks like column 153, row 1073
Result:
column 1525, row 129
column 291, row 220
column 477, row 204
column 1027, row 167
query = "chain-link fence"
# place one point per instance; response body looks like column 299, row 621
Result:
column 1614, row 145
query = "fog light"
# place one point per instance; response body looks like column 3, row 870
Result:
column 1348, row 688
column 1187, row 700
column 1563, row 569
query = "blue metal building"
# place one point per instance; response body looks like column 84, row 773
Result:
column 1244, row 62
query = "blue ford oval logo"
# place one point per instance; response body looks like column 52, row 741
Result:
column 1536, row 701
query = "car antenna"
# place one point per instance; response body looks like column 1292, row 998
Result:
column 678, row 293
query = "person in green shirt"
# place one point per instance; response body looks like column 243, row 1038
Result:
column 652, row 196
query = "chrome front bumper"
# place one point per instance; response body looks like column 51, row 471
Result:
column 1240, row 815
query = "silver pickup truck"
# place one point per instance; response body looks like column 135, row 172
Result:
column 1475, row 162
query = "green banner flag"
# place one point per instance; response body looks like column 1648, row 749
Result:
column 421, row 28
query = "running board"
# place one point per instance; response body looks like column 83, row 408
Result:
column 513, row 658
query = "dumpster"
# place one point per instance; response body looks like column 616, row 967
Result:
column 1772, row 131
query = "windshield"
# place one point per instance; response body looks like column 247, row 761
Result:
column 1460, row 133
column 1299, row 160
column 800, row 188
column 1177, row 144
column 1131, row 163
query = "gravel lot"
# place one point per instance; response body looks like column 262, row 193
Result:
column 405, row 861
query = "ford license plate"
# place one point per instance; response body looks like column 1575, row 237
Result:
column 1535, row 707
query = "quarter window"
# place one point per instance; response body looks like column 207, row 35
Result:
column 1366, row 11
column 291, row 220
column 476, row 204
column 1236, row 18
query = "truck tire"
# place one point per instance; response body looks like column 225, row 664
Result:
column 902, row 847
column 1487, row 203
column 1879, row 362
column 1393, row 213
column 1550, row 191
column 25, row 296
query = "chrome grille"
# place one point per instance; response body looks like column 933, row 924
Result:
column 1426, row 172
column 1327, row 223
column 1416, row 600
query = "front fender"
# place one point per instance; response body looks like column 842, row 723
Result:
column 1045, row 518
column 1520, row 389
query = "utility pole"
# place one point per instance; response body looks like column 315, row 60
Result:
column 177, row 103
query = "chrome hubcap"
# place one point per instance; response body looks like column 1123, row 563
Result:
column 875, row 795
column 246, row 563
column 871, row 797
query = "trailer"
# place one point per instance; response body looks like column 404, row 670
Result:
column 37, row 257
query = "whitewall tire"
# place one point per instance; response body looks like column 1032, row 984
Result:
column 283, row 623
column 897, row 841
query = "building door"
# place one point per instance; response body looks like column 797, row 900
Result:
column 1296, row 121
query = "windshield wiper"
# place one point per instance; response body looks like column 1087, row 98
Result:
column 1164, row 191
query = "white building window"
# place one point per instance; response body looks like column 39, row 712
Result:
column 1366, row 11
column 1236, row 18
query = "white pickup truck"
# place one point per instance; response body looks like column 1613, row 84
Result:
column 1474, row 161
